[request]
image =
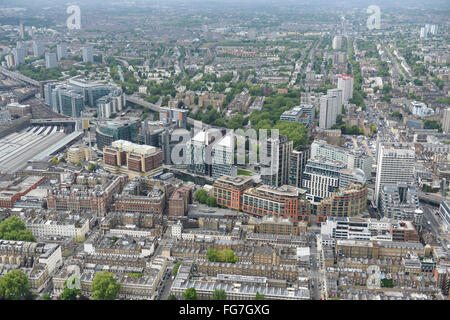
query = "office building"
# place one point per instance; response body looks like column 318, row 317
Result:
column 19, row 55
column 124, row 157
column 228, row 190
column 50, row 60
column 353, row 159
column 199, row 151
column 70, row 102
column 276, row 172
column 321, row 177
column 61, row 51
column 420, row 109
column 61, row 97
column 92, row 91
column 223, row 157
column 297, row 164
column 64, row 99
column 111, row 104
column 88, row 54
column 328, row 111
column 109, row 131
column 285, row 201
column 339, row 98
column 304, row 114
column 344, row 228
column 401, row 201
column 345, row 83
column 395, row 164
column 346, row 202
column 168, row 115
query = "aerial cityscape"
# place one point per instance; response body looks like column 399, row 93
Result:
column 224, row 150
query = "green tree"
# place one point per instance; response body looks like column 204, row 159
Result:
column 211, row 254
column 296, row 132
column 105, row 286
column 201, row 196
column 225, row 255
column 190, row 294
column 70, row 293
column 92, row 167
column 219, row 294
column 176, row 267
column 259, row 296
column 171, row 297
column 14, row 228
column 14, row 285
column 79, row 165
column 211, row 201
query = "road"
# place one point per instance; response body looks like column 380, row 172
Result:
column 435, row 224
column 315, row 272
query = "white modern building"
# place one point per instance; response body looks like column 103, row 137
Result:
column 328, row 111
column 337, row 42
column 19, row 55
column 61, row 50
column 395, row 164
column 223, row 158
column 352, row 158
column 88, row 54
column 340, row 98
column 50, row 60
column 38, row 49
column 420, row 109
column 354, row 229
column 345, row 83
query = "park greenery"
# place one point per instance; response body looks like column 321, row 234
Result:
column 39, row 73
column 225, row 255
column 202, row 197
column 14, row 228
column 14, row 285
column 267, row 118
column 387, row 283
column 432, row 124
column 105, row 286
